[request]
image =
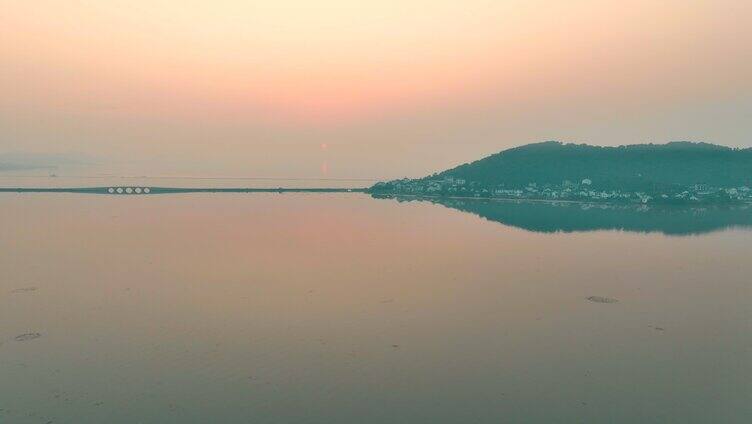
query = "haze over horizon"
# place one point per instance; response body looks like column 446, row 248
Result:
column 371, row 89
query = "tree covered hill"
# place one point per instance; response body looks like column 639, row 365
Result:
column 632, row 167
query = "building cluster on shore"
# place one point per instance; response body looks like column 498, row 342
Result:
column 584, row 190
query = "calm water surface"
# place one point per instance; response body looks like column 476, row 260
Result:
column 342, row 308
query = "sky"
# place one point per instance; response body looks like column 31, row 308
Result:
column 368, row 88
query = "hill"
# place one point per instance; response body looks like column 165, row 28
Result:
column 642, row 171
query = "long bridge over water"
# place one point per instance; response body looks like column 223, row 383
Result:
column 133, row 190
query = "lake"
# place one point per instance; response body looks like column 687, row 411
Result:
column 343, row 308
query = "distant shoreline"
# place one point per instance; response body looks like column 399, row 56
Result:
column 149, row 190
column 547, row 201
column 500, row 199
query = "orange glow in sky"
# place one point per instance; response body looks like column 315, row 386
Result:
column 160, row 75
column 318, row 60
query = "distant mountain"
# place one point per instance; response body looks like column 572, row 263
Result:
column 23, row 161
column 13, row 167
column 572, row 170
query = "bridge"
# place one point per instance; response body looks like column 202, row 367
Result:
column 128, row 190
column 144, row 190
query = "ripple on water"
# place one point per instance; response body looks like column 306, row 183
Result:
column 27, row 336
column 24, row 290
column 600, row 299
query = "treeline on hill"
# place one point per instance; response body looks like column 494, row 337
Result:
column 634, row 167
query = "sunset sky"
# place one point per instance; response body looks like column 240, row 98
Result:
column 369, row 88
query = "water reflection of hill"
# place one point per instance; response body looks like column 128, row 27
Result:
column 549, row 217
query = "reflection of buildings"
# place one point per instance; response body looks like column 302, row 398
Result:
column 560, row 216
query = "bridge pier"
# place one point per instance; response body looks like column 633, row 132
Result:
column 128, row 190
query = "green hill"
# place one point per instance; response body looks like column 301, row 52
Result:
column 657, row 169
column 625, row 167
